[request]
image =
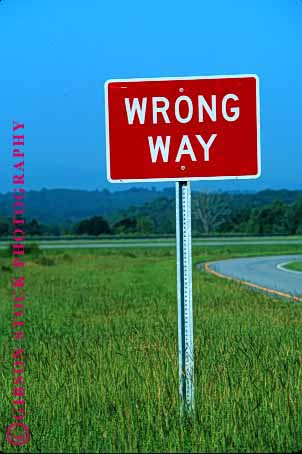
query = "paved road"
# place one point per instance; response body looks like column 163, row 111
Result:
column 264, row 272
column 148, row 244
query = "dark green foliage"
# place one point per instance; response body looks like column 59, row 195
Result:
column 33, row 249
column 93, row 226
column 278, row 218
column 33, row 228
column 128, row 253
column 145, row 225
column 66, row 258
column 45, row 261
column 145, row 212
column 68, row 206
column 6, row 269
column 294, row 217
column 126, row 225
column 4, row 228
column 156, row 217
column 219, row 216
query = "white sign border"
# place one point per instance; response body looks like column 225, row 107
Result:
column 151, row 79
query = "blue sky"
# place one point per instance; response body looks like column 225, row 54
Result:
column 55, row 57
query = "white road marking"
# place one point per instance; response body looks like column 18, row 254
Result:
column 281, row 266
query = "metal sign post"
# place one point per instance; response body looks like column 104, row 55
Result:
column 184, row 295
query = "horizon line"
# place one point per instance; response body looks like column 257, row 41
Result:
column 153, row 189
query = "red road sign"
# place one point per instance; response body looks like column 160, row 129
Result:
column 176, row 129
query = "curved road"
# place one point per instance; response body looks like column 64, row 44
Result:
column 263, row 273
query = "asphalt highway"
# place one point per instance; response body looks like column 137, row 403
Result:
column 264, row 272
column 149, row 244
column 143, row 243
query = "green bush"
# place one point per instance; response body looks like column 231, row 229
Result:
column 6, row 269
column 66, row 258
column 33, row 249
column 45, row 261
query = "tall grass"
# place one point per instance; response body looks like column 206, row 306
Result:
column 101, row 358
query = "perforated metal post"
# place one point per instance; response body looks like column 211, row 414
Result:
column 184, row 295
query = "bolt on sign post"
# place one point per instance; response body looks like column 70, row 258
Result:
column 183, row 129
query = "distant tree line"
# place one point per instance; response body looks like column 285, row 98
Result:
column 212, row 213
column 277, row 218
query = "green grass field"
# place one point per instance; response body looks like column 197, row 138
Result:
column 294, row 266
column 102, row 373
